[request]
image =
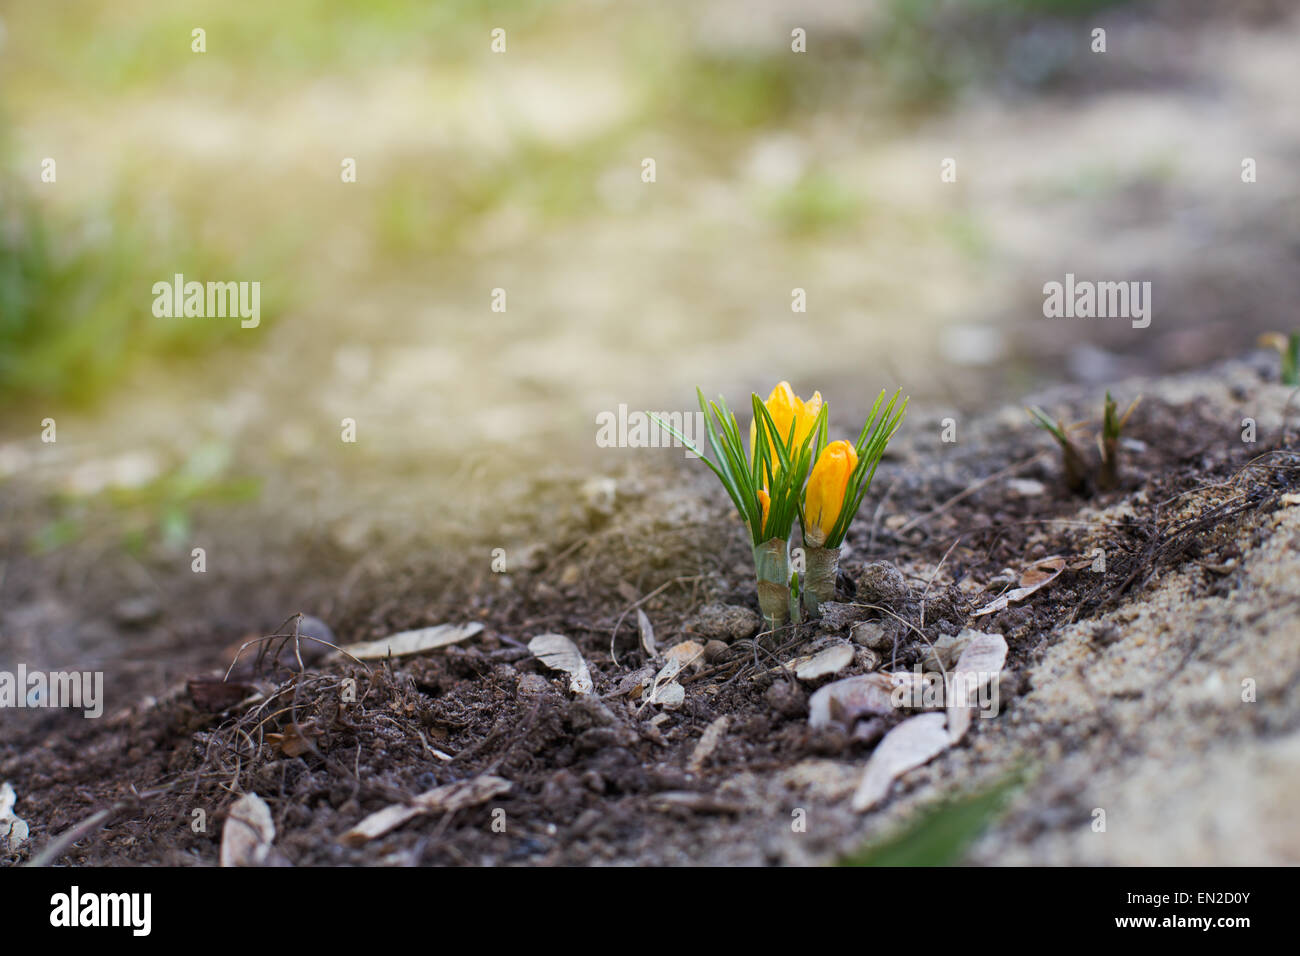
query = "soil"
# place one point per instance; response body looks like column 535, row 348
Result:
column 1123, row 689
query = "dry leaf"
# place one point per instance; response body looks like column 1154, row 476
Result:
column 910, row 744
column 633, row 684
column 828, row 661
column 944, row 650
column 445, row 799
column 413, row 642
column 1035, row 577
column 677, row 658
column 13, row 828
column 297, row 739
column 1026, row 487
column 709, row 741
column 695, row 802
column 560, row 654
column 1032, row 578
column 983, row 660
column 844, row 701
column 248, row 834
column 670, row 696
column 665, row 691
column 647, row 634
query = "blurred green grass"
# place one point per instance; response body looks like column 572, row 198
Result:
column 129, row 44
column 158, row 514
column 76, row 301
column 940, row 835
column 74, row 286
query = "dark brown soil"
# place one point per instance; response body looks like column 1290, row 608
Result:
column 598, row 779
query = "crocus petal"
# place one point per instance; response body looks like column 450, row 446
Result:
column 807, row 418
column 827, row 484
column 783, row 405
column 786, row 408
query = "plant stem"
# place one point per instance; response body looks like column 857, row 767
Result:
column 819, row 577
column 772, row 570
column 1108, row 471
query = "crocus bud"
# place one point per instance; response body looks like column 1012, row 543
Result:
column 785, row 407
column 765, row 500
column 826, row 486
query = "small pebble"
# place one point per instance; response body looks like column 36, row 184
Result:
column 726, row 622
column 786, row 698
column 533, row 685
column 714, row 651
column 880, row 583
column 873, row 635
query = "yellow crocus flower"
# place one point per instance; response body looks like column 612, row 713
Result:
column 785, row 407
column 826, row 486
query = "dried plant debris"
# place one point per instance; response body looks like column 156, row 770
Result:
column 665, row 689
column 829, row 660
column 413, row 642
column 708, row 743
column 678, row 658
column 248, row 837
column 913, row 742
column 694, row 802
column 633, row 685
column 297, row 739
column 670, row 695
column 979, row 666
column 647, row 632
column 919, row 739
column 1038, row 575
column 445, row 799
column 560, row 654
column 13, row 828
column 844, row 701
column 942, row 654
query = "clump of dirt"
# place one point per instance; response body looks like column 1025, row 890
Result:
column 1123, row 674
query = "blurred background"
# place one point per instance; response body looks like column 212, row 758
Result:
column 522, row 170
